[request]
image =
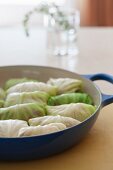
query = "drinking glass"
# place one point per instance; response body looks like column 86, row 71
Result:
column 62, row 33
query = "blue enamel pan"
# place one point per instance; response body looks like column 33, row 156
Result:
column 27, row 148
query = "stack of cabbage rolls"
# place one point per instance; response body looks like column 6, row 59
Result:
column 29, row 107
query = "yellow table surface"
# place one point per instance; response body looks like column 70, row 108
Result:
column 95, row 151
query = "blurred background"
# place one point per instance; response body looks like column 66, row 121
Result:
column 92, row 12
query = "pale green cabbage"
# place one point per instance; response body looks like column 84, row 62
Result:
column 67, row 121
column 2, row 94
column 10, row 128
column 70, row 98
column 11, row 82
column 22, row 111
column 41, row 130
column 33, row 86
column 26, row 97
column 66, row 85
column 79, row 111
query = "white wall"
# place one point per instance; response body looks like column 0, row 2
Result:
column 12, row 12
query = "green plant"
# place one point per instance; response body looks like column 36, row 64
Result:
column 52, row 10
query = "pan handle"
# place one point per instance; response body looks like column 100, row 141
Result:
column 106, row 99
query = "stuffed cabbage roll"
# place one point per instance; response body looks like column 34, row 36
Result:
column 1, row 103
column 66, row 85
column 41, row 130
column 70, row 98
column 67, row 121
column 33, row 86
column 10, row 128
column 22, row 111
column 79, row 111
column 11, row 82
column 2, row 94
column 2, row 97
column 26, row 97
